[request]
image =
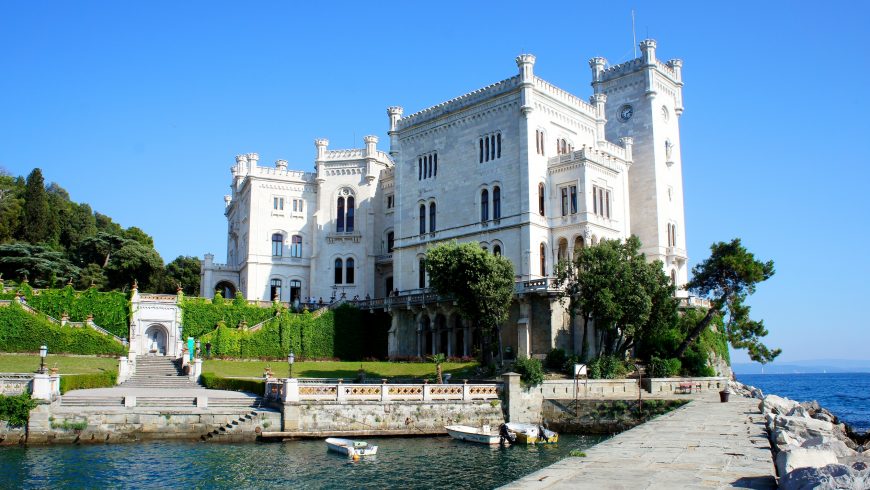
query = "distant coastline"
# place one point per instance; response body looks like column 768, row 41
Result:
column 819, row 366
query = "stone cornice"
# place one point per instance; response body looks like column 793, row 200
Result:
column 459, row 103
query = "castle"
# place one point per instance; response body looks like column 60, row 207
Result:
column 521, row 166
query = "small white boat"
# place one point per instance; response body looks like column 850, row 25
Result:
column 532, row 433
column 472, row 434
column 351, row 449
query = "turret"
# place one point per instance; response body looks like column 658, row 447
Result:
column 321, row 144
column 394, row 113
column 677, row 65
column 597, row 65
column 526, row 65
column 598, row 100
column 648, row 50
column 371, row 151
column 281, row 165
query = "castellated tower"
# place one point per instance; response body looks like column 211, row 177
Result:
column 644, row 102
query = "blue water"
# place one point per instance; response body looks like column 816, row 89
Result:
column 846, row 395
column 420, row 462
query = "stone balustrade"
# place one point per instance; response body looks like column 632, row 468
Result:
column 291, row 390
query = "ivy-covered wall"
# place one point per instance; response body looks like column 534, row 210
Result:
column 346, row 333
column 21, row 331
column 111, row 309
column 200, row 316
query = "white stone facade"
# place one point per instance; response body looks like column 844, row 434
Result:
column 521, row 166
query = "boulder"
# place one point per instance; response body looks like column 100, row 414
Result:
column 757, row 393
column 827, row 477
column 798, row 411
column 792, row 458
column 781, row 438
column 811, row 407
column 823, row 416
column 777, row 405
column 804, row 427
column 832, row 444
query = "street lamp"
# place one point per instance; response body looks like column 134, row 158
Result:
column 43, row 351
column 290, row 360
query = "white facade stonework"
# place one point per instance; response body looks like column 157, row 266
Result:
column 521, row 166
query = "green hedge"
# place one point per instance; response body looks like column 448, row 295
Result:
column 69, row 382
column 346, row 333
column 200, row 316
column 16, row 409
column 111, row 309
column 214, row 382
column 21, row 331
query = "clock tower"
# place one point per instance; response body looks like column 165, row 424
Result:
column 644, row 102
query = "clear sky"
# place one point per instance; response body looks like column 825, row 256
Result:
column 138, row 108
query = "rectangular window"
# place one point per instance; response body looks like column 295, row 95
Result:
column 296, row 246
column 391, row 201
column 573, row 192
column 564, row 191
column 278, row 203
column 594, row 199
column 601, row 202
column 607, row 202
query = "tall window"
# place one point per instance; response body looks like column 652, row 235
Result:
column 484, row 205
column 539, row 141
column 278, row 203
column 348, row 271
column 578, row 245
column 277, row 245
column 296, row 246
column 422, row 219
column 391, row 201
column 339, row 266
column 569, row 199
column 496, row 249
column 543, row 252
column 573, row 191
column 349, row 219
column 297, row 205
column 339, row 218
column 431, row 217
column 672, row 235
column 541, row 199
column 490, row 147
column 673, row 277
column 422, row 273
column 427, row 166
column 275, row 289
column 295, row 290
column 600, row 201
column 391, row 241
column 564, row 192
column 496, row 202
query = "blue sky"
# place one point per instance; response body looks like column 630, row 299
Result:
column 139, row 109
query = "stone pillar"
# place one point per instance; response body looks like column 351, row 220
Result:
column 291, row 390
column 426, row 394
column 196, row 372
column 54, row 384
column 466, row 390
column 129, row 401
column 41, row 387
column 339, row 391
column 123, row 369
column 385, row 391
column 512, row 394
column 523, row 328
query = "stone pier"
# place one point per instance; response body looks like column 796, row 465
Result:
column 705, row 444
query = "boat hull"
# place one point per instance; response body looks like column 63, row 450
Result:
column 532, row 434
column 472, row 434
column 351, row 449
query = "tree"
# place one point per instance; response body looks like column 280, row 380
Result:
column 483, row 285
column 91, row 275
column 133, row 261
column 626, row 297
column 38, row 226
column 439, row 360
column 41, row 265
column 11, row 207
column 98, row 249
column 136, row 233
column 727, row 278
column 183, row 272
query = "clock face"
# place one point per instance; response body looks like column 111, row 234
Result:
column 625, row 112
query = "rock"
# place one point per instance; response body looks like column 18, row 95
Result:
column 776, row 404
column 793, row 457
column 823, row 416
column 834, row 445
column 782, row 439
column 757, row 393
column 804, row 427
column 828, row 477
column 811, row 407
column 798, row 411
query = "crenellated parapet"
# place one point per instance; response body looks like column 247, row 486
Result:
column 459, row 103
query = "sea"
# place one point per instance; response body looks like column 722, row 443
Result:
column 846, row 395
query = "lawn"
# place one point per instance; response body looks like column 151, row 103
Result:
column 29, row 363
column 334, row 369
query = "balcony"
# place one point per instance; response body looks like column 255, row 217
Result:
column 343, row 236
column 384, row 258
column 677, row 254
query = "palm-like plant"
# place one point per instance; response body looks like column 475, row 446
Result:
column 439, row 359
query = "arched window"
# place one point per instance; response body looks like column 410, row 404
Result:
column 339, row 218
column 541, row 199
column 543, row 252
column 348, row 271
column 391, row 241
column 484, row 205
column 422, row 273
column 296, row 246
column 673, row 277
column 339, row 265
column 496, row 202
column 422, row 219
column 349, row 214
column 486, row 145
column 435, row 165
column 431, row 217
column 578, row 245
column 420, row 168
column 295, row 290
column 496, row 250
column 563, row 249
column 481, row 150
column 498, row 143
column 275, row 289
column 277, row 245
column 492, row 147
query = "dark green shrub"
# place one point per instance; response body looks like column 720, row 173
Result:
column 607, row 367
column 69, row 382
column 111, row 310
column 695, row 361
column 555, row 359
column 214, row 382
column 530, row 370
column 16, row 409
column 21, row 331
column 663, row 368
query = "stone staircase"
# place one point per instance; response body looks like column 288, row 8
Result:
column 158, row 372
column 239, row 429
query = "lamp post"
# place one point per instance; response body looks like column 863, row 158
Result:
column 43, row 351
column 290, row 360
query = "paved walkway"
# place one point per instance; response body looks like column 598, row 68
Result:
column 705, row 444
column 117, row 391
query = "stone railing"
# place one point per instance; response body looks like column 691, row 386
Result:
column 291, row 390
column 588, row 388
column 547, row 284
column 673, row 385
column 15, row 384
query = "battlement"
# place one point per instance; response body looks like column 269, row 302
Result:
column 670, row 69
column 460, row 102
column 564, row 96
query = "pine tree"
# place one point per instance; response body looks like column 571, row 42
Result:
column 38, row 223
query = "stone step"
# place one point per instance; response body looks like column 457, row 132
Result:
column 91, row 401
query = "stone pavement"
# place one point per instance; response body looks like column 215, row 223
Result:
column 705, row 444
column 120, row 390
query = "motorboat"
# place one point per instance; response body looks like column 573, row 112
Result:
column 352, row 449
column 532, row 433
column 483, row 435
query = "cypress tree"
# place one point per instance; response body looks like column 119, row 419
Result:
column 38, row 223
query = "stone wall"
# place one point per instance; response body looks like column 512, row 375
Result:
column 376, row 418
column 601, row 416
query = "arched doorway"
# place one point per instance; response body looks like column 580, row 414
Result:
column 226, row 289
column 155, row 340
